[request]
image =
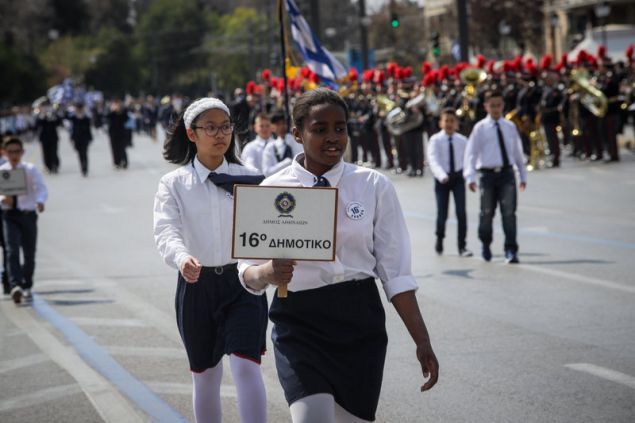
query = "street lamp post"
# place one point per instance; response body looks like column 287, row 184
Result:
column 602, row 11
column 554, row 27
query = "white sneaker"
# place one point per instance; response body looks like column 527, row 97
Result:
column 16, row 294
column 26, row 293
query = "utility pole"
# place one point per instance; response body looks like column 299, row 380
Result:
column 464, row 42
column 314, row 9
column 363, row 33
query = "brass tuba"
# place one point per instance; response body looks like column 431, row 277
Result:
column 591, row 97
column 471, row 78
column 397, row 120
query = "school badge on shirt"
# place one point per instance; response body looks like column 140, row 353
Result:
column 355, row 210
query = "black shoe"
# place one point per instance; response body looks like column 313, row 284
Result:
column 438, row 247
column 486, row 253
column 464, row 252
column 16, row 294
column 511, row 257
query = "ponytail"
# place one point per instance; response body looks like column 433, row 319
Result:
column 178, row 148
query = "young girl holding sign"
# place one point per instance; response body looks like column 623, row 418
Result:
column 192, row 230
column 329, row 334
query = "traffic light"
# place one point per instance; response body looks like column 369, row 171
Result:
column 435, row 44
column 394, row 20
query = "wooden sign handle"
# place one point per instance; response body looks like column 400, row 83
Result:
column 282, row 291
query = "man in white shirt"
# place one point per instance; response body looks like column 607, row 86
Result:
column 253, row 150
column 19, row 219
column 445, row 156
column 280, row 153
column 493, row 149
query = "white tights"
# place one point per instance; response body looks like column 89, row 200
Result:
column 252, row 401
column 320, row 408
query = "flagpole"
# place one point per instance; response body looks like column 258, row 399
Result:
column 283, row 49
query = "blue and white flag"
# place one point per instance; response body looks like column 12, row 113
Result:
column 316, row 57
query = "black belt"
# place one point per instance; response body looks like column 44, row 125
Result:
column 498, row 169
column 219, row 270
column 18, row 211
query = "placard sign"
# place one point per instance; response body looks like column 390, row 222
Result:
column 284, row 222
column 13, row 182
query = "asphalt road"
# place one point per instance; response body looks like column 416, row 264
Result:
column 549, row 340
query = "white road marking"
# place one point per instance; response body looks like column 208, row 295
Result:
column 160, row 352
column 578, row 278
column 39, row 397
column 102, row 321
column 107, row 208
column 228, row 391
column 604, row 373
column 18, row 363
column 107, row 400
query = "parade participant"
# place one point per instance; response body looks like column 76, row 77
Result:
column 46, row 124
column 192, row 231
column 550, row 107
column 6, row 287
column 279, row 153
column 81, row 135
column 19, row 221
column 609, row 124
column 117, row 117
column 330, row 334
column 445, row 156
column 253, row 151
column 494, row 147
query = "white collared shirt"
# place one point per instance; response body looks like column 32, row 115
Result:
column 36, row 191
column 275, row 149
column 252, row 152
column 439, row 153
column 483, row 150
column 194, row 217
column 376, row 245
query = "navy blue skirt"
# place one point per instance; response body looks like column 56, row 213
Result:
column 332, row 340
column 217, row 316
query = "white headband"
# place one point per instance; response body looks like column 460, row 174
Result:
column 201, row 105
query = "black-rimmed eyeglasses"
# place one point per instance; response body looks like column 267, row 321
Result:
column 212, row 130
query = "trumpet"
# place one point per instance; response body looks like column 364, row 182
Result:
column 472, row 78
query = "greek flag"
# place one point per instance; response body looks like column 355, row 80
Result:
column 316, row 57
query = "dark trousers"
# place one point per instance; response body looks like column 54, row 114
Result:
column 20, row 232
column 456, row 186
column 119, row 155
column 414, row 146
column 609, row 127
column 386, row 140
column 5, row 271
column 498, row 188
column 50, row 156
column 552, row 140
column 82, row 152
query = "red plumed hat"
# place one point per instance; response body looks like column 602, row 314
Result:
column 490, row 66
column 305, row 72
column 314, row 78
column 425, row 68
column 353, row 75
column 367, row 76
column 545, row 62
column 480, row 61
column 266, row 74
column 582, row 56
column 629, row 52
column 251, row 87
column 601, row 52
column 379, row 76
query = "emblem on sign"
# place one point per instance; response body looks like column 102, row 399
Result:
column 285, row 203
column 6, row 175
column 355, row 210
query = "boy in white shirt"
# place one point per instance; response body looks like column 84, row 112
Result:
column 253, row 150
column 279, row 153
column 19, row 220
column 445, row 156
